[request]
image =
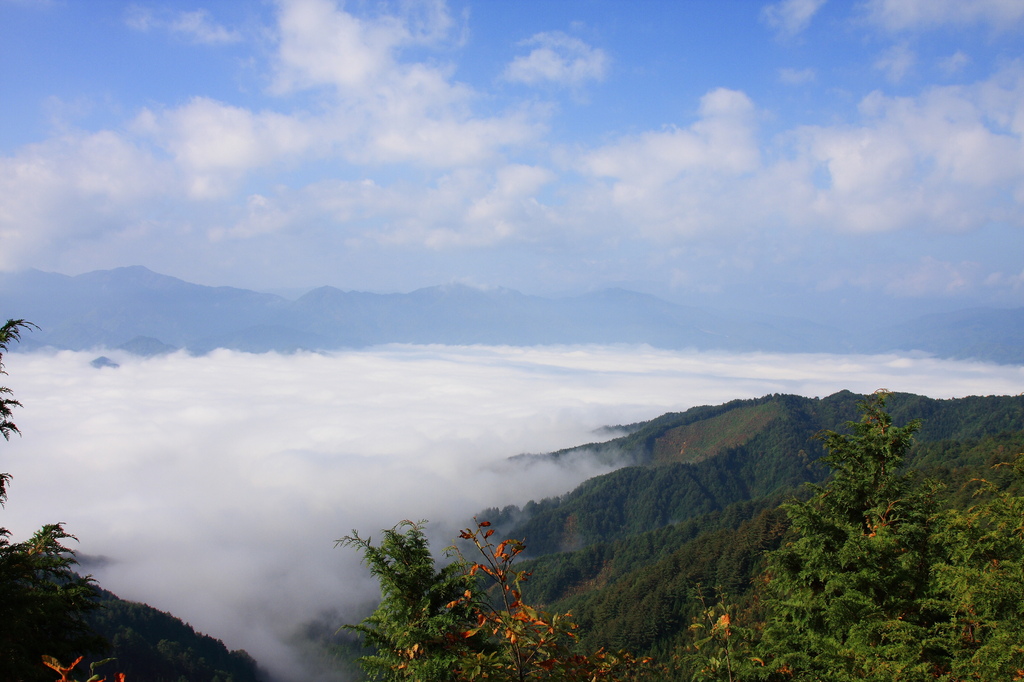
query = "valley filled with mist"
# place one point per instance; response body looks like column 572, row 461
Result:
column 215, row 486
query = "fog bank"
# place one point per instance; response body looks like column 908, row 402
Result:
column 214, row 487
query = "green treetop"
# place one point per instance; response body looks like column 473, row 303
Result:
column 880, row 583
column 42, row 599
column 416, row 632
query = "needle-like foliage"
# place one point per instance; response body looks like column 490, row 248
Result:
column 417, row 631
column 9, row 332
column 42, row 599
column 441, row 624
column 880, row 582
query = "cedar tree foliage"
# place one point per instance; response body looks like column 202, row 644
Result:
column 42, row 599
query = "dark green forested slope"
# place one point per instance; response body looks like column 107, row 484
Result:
column 702, row 509
column 155, row 646
column 563, row 575
column 648, row 610
column 708, row 458
column 904, row 561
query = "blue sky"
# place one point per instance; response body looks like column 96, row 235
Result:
column 782, row 155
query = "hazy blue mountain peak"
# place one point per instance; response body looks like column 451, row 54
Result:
column 145, row 312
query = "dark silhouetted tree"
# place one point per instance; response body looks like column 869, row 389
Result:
column 42, row 599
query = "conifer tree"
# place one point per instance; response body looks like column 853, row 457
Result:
column 881, row 582
column 42, row 599
column 978, row 583
column 441, row 625
column 848, row 595
column 417, row 631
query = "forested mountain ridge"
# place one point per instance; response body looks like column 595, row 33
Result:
column 574, row 579
column 905, row 561
column 707, row 458
column 155, row 646
column 627, row 551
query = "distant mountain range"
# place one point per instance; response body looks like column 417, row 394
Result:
column 146, row 313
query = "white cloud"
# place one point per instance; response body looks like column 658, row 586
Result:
column 396, row 111
column 1000, row 280
column 955, row 63
column 322, row 45
column 216, row 485
column 790, row 17
column 896, row 62
column 447, row 141
column 366, row 138
column 951, row 159
column 386, row 111
column 797, row 76
column 558, row 58
column 261, row 216
column 215, row 144
column 76, row 186
column 927, row 276
column 467, row 208
column 197, row 25
column 509, row 207
column 901, row 15
column 948, row 160
column 721, row 140
column 678, row 180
